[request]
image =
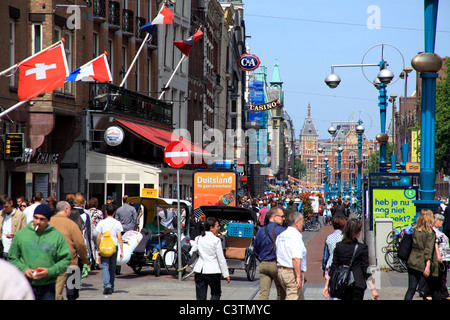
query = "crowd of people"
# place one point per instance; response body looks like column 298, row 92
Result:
column 54, row 244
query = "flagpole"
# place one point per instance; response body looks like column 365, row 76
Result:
column 147, row 37
column 171, row 77
column 18, row 104
column 30, row 57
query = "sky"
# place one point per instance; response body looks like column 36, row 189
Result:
column 307, row 37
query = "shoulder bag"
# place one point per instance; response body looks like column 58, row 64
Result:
column 405, row 246
column 342, row 278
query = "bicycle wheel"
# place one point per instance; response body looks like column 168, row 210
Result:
column 394, row 262
column 390, row 237
column 170, row 260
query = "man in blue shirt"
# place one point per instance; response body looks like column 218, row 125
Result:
column 264, row 249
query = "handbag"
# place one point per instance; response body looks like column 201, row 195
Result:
column 342, row 278
column 405, row 246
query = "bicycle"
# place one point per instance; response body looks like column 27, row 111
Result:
column 393, row 261
column 312, row 225
column 170, row 259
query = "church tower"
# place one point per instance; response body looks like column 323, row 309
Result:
column 309, row 139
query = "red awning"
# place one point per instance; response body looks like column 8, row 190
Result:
column 160, row 137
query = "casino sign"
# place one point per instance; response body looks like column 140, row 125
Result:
column 264, row 107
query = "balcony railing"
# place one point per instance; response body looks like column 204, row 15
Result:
column 114, row 14
column 114, row 99
column 128, row 22
column 140, row 34
column 99, row 10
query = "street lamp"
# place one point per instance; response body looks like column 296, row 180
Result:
column 428, row 64
column 360, row 131
column 383, row 78
column 405, row 145
column 339, row 151
column 394, row 153
column 326, row 178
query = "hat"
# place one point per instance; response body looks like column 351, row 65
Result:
column 110, row 198
column 43, row 209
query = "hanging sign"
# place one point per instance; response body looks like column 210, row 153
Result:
column 265, row 106
column 113, row 136
column 248, row 62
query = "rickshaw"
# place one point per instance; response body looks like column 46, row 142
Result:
column 237, row 231
column 140, row 257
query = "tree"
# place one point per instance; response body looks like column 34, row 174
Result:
column 442, row 145
column 299, row 169
column 374, row 158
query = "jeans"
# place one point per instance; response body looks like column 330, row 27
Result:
column 202, row 281
column 109, row 270
column 414, row 277
column 155, row 244
column 46, row 292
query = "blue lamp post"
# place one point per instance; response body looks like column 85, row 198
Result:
column 384, row 77
column 428, row 64
column 339, row 151
column 360, row 131
column 327, row 195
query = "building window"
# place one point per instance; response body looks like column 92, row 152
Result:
column 69, row 55
column 36, row 37
column 95, row 45
column 351, row 161
column 111, row 55
column 12, row 49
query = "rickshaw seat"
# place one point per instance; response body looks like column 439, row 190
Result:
column 236, row 247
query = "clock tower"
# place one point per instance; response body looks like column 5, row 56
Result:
column 309, row 139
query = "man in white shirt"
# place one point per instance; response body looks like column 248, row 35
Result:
column 11, row 221
column 291, row 258
column 29, row 211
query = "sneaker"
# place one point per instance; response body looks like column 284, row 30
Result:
column 107, row 291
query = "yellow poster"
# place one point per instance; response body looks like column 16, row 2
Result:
column 214, row 188
column 396, row 204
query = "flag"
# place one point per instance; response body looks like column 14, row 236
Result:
column 185, row 46
column 95, row 70
column 165, row 16
column 43, row 72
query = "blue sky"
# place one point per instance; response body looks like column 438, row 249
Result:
column 307, row 37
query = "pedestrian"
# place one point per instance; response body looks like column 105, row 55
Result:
column 289, row 209
column 262, row 213
column 38, row 198
column 51, row 201
column 424, row 258
column 291, row 258
column 96, row 216
column 109, row 200
column 338, row 209
column 446, row 225
column 23, row 206
column 19, row 201
column 265, row 251
column 211, row 263
column 157, row 241
column 77, row 247
column 109, row 263
column 330, row 243
column 342, row 256
column 127, row 216
column 41, row 252
column 444, row 250
column 11, row 221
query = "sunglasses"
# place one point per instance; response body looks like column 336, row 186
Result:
column 23, row 206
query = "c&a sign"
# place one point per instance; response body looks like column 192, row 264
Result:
column 248, row 62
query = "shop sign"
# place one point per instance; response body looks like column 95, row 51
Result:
column 264, row 107
column 248, row 62
column 41, row 157
column 113, row 136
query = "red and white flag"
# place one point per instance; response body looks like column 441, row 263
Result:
column 95, row 70
column 185, row 46
column 43, row 72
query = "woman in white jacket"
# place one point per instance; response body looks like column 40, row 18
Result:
column 211, row 263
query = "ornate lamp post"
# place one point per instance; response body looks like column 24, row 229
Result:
column 360, row 131
column 339, row 151
column 428, row 64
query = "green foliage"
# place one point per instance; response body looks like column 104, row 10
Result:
column 442, row 145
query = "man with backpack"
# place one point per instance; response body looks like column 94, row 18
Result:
column 109, row 263
column 264, row 249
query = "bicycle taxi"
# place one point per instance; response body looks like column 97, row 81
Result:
column 149, row 252
column 237, row 232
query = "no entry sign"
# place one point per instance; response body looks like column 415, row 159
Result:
column 176, row 154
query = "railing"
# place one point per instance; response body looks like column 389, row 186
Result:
column 99, row 9
column 128, row 22
column 114, row 99
column 114, row 14
column 140, row 34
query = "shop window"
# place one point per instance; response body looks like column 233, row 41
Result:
column 97, row 190
column 115, row 190
column 132, row 190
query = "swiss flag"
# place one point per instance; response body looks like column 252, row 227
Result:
column 43, row 72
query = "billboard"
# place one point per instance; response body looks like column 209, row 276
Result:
column 214, row 188
column 394, row 203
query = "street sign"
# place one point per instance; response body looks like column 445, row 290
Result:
column 176, row 154
column 13, row 145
